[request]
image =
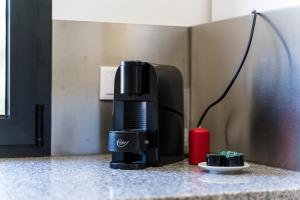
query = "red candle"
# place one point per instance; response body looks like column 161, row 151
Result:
column 199, row 145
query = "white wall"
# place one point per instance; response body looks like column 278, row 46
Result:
column 223, row 9
column 157, row 12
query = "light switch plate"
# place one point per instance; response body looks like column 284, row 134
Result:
column 107, row 79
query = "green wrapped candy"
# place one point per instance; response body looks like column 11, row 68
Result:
column 213, row 160
column 232, row 158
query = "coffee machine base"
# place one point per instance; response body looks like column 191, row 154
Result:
column 128, row 166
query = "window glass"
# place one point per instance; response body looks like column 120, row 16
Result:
column 2, row 55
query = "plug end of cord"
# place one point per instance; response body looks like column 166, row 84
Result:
column 254, row 12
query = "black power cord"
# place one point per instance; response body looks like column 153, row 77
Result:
column 236, row 73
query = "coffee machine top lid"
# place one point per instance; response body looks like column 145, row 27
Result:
column 132, row 62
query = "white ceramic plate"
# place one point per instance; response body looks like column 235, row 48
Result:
column 203, row 165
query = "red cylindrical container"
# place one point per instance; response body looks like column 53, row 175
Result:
column 199, row 145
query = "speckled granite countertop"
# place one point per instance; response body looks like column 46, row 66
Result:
column 89, row 177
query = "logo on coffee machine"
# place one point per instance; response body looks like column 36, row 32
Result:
column 122, row 143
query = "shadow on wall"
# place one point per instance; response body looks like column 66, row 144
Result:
column 274, row 120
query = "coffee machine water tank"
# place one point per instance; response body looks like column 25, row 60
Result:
column 148, row 127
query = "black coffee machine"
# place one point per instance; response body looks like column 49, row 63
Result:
column 148, row 125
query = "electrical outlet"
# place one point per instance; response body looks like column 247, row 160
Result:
column 107, row 82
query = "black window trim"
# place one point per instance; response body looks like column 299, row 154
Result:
column 43, row 55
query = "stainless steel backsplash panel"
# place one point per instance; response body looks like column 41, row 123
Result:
column 80, row 122
column 261, row 114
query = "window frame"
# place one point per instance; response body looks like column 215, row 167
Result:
column 6, row 45
column 42, row 54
